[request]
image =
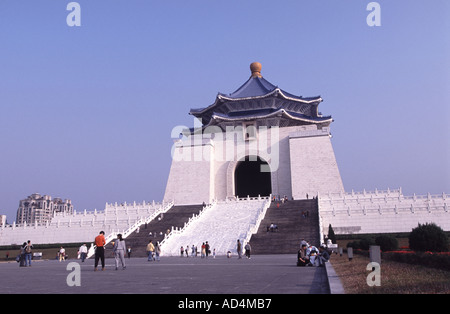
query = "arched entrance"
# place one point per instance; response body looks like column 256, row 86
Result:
column 249, row 180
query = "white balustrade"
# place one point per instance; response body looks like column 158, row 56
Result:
column 382, row 211
column 221, row 225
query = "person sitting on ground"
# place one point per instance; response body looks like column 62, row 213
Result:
column 312, row 252
column 273, row 227
column 323, row 257
column 311, row 249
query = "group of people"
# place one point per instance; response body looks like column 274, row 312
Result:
column 24, row 257
column 153, row 251
column 279, row 198
column 309, row 255
column 247, row 248
column 119, row 249
column 205, row 250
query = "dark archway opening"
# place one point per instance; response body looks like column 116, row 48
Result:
column 249, row 180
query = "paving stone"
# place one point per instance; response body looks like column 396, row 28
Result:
column 262, row 274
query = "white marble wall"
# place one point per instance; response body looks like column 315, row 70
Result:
column 313, row 164
column 301, row 161
column 382, row 211
column 191, row 177
column 81, row 226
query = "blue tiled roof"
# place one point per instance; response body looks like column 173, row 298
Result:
column 257, row 98
column 258, row 86
column 254, row 87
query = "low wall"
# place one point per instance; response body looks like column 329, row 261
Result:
column 382, row 211
column 79, row 226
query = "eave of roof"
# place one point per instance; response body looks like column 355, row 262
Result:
column 261, row 115
column 274, row 92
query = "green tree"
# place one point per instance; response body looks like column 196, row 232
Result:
column 386, row 243
column 331, row 234
column 365, row 242
column 428, row 237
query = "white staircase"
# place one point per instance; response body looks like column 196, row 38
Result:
column 221, row 225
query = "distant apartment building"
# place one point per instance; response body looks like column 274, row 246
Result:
column 40, row 209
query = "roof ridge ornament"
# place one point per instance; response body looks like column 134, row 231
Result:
column 255, row 67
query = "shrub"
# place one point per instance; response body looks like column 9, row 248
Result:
column 428, row 237
column 387, row 243
column 363, row 244
column 428, row 259
column 366, row 242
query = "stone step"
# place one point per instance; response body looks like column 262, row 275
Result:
column 177, row 216
column 292, row 228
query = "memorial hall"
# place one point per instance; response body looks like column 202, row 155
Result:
column 254, row 158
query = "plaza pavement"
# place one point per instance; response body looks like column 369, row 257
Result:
column 262, row 274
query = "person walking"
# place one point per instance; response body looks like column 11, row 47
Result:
column 100, row 243
column 207, row 250
column 129, row 252
column 119, row 251
column 22, row 255
column 248, row 250
column 157, row 250
column 150, row 250
column 28, row 248
column 83, row 252
column 203, row 252
column 239, row 249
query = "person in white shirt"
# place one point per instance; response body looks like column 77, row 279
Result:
column 62, row 254
column 82, row 251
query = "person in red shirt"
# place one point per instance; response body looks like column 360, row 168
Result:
column 100, row 243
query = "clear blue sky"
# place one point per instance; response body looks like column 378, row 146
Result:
column 86, row 112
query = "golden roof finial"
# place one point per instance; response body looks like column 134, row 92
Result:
column 255, row 67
